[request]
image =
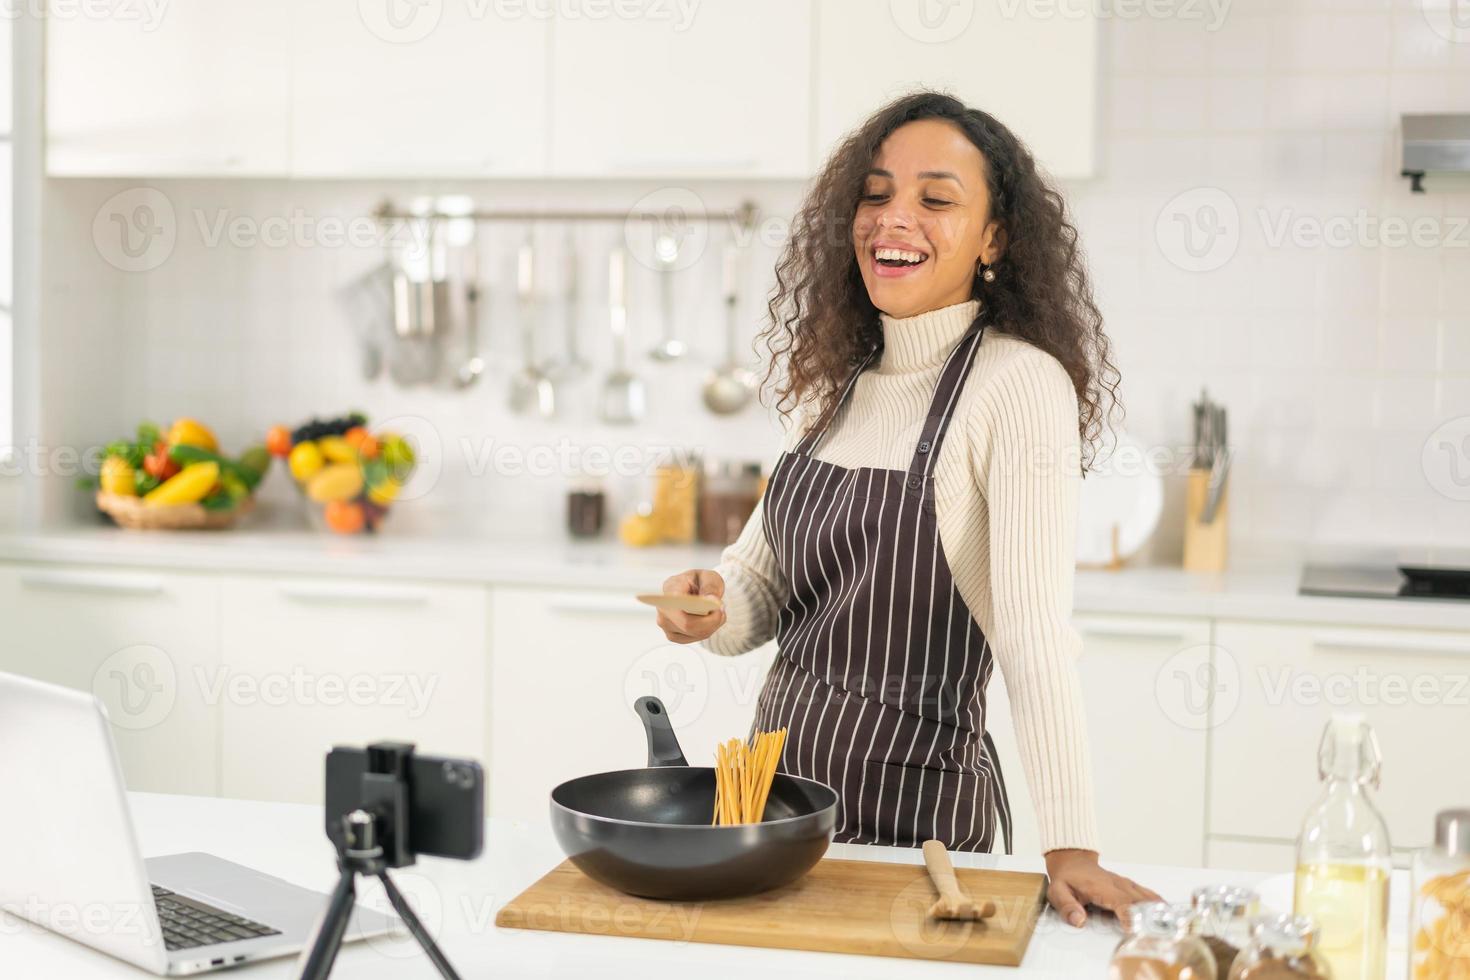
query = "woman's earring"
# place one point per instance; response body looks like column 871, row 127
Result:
column 985, row 272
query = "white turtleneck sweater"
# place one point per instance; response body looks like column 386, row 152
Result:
column 1006, row 484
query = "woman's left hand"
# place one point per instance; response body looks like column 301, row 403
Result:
column 1077, row 880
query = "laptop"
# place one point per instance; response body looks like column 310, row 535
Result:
column 71, row 862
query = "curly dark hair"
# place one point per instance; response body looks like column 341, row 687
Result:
column 822, row 322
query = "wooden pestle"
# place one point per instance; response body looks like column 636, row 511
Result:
column 953, row 903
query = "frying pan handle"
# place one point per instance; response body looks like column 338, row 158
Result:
column 663, row 745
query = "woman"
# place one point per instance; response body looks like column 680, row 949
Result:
column 936, row 329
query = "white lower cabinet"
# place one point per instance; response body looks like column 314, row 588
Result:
column 1144, row 684
column 137, row 640
column 1280, row 685
column 1267, row 857
column 568, row 666
column 239, row 684
column 310, row 663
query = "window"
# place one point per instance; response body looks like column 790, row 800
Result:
column 7, row 226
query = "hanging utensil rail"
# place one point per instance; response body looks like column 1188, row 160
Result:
column 744, row 216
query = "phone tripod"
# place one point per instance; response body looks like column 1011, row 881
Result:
column 370, row 841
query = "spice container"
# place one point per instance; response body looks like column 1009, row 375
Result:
column 639, row 529
column 1162, row 944
column 586, row 508
column 727, row 499
column 1225, row 913
column 676, row 498
column 1439, row 926
column 1281, row 947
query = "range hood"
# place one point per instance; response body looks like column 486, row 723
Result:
column 1435, row 143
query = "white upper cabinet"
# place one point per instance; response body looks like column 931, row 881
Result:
column 713, row 89
column 202, row 89
column 1031, row 65
column 445, row 90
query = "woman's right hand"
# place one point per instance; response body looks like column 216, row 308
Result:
column 682, row 627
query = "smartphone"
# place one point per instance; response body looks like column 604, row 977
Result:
column 446, row 801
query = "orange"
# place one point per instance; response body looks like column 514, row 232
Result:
column 345, row 516
column 278, row 441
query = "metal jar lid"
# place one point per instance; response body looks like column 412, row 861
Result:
column 1452, row 832
column 1285, row 933
column 732, row 473
column 1163, row 919
column 1226, row 901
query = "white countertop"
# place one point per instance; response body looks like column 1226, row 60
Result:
column 458, row 902
column 1257, row 589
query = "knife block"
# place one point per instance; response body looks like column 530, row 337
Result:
column 1204, row 544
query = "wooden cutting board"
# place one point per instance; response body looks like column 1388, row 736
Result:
column 864, row 907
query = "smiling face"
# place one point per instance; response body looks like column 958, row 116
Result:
column 923, row 222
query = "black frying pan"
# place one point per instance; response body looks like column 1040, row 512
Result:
column 647, row 831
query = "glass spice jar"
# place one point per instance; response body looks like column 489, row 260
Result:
column 676, row 498
column 1281, row 947
column 1225, row 913
column 727, row 499
column 586, row 507
column 1439, row 930
column 1161, row 943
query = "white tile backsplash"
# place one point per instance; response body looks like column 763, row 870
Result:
column 1336, row 359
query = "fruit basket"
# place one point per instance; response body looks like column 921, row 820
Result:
column 177, row 480
column 134, row 514
column 349, row 475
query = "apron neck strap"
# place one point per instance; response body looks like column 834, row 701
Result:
column 814, row 435
column 941, row 406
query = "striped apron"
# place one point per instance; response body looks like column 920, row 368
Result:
column 881, row 669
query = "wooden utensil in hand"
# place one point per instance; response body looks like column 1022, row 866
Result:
column 696, row 605
column 952, row 903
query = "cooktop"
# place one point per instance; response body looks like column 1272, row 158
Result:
column 1386, row 581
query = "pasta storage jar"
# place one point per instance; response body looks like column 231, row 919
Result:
column 1439, row 926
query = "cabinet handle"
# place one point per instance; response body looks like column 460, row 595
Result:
column 584, row 604
column 1129, row 629
column 1383, row 641
column 353, row 592
column 103, row 582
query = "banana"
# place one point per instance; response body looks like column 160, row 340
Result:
column 188, row 486
column 336, row 449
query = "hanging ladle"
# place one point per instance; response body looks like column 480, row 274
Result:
column 730, row 387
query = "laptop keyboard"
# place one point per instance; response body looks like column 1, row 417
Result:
column 187, row 923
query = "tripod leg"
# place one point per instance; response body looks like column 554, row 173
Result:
column 316, row 961
column 426, row 941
